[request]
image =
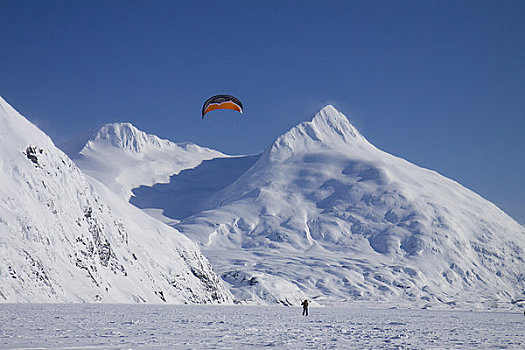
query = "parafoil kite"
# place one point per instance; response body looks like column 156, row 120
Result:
column 221, row 102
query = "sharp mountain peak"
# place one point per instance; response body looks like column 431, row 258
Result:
column 127, row 137
column 329, row 129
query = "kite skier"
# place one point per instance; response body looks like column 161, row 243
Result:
column 305, row 307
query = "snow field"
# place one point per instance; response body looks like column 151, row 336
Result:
column 111, row 326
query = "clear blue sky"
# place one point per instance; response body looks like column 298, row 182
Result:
column 439, row 83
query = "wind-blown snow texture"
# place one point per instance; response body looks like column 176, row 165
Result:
column 66, row 238
column 324, row 214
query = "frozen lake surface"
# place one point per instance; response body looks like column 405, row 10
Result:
column 99, row 326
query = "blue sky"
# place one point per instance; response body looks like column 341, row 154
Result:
column 439, row 83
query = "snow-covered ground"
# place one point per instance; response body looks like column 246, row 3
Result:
column 99, row 326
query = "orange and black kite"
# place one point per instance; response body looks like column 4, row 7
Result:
column 221, row 102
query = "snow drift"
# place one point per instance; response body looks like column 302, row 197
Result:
column 66, row 238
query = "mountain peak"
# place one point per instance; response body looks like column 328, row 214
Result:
column 127, row 137
column 329, row 129
column 330, row 117
column 124, row 157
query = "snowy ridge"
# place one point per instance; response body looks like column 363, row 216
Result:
column 124, row 157
column 64, row 238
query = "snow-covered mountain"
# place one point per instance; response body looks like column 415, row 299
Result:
column 67, row 238
column 123, row 157
column 325, row 214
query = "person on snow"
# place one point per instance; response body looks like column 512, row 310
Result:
column 305, row 307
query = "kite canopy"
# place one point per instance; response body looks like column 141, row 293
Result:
column 221, row 102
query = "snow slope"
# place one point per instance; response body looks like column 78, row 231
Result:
column 324, row 213
column 66, row 238
column 123, row 157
